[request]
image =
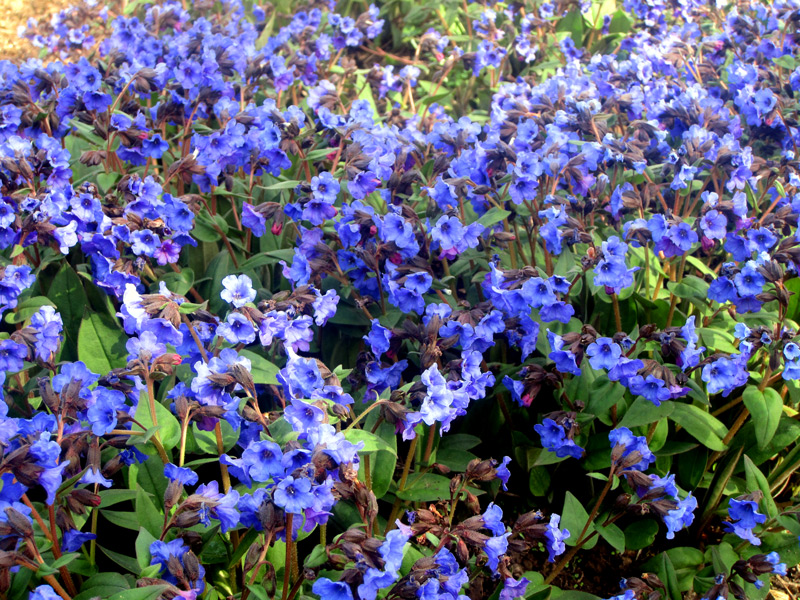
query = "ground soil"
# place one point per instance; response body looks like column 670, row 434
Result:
column 17, row 12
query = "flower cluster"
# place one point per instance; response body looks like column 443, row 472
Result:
column 272, row 284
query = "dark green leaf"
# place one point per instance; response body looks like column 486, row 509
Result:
column 150, row 592
column 101, row 344
column 261, row 369
column 706, row 429
column 574, row 518
column 766, row 408
column 147, row 514
column 68, row 295
column 640, row 534
column 493, row 215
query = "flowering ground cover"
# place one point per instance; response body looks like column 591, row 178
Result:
column 408, row 300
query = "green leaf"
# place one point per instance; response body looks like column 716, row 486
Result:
column 244, row 545
column 261, row 369
column 180, row 282
column 493, row 215
column 766, row 408
column 68, row 295
column 120, row 518
column 133, row 5
column 281, row 185
column 668, row 576
column 150, row 477
column 459, row 441
column 575, row 595
column 65, row 560
column 428, row 487
column 102, row 585
column 101, row 344
column 574, row 518
column 539, row 481
column 385, row 461
column 572, row 23
column 613, row 535
column 640, row 534
column 706, row 429
column 793, row 309
column 169, row 430
column 188, row 308
column 756, row 481
column 786, row 62
column 207, row 440
column 147, row 514
column 644, row 412
column 150, row 592
column 126, row 562
column 143, row 541
column 372, row 442
column 27, row 308
column 720, row 481
column 690, row 287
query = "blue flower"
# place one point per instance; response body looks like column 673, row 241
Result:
column 294, row 495
column 514, row 588
column 102, row 415
column 44, row 592
column 633, row 446
column 748, row 281
column 12, row 356
column 554, row 439
column 73, row 539
column 604, row 353
column 237, row 329
column 495, row 548
column 325, row 306
column 778, row 568
column 493, row 519
column 714, row 225
column 330, row 590
column 681, row 516
column 391, row 550
column 554, row 538
column 745, row 517
column 325, row 187
column 378, row 338
column 651, row 388
column 183, row 475
column 503, row 473
column 238, row 290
